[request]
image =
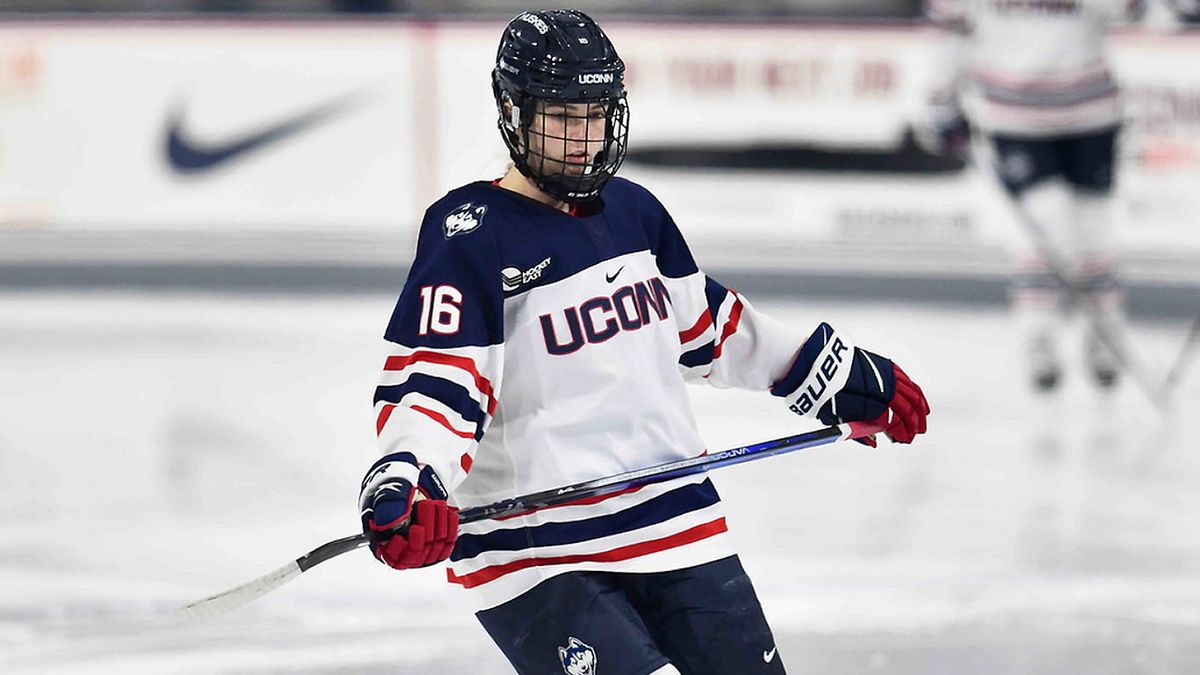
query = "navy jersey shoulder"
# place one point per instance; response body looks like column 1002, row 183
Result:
column 452, row 296
column 666, row 242
column 466, row 210
column 538, row 245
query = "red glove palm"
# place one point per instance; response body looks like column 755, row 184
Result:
column 405, row 513
column 905, row 416
column 429, row 538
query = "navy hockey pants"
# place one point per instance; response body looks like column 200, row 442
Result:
column 1084, row 161
column 704, row 620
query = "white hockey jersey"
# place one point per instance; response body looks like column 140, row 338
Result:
column 1030, row 67
column 533, row 349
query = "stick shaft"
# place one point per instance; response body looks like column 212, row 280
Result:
column 249, row 591
column 1189, row 346
column 662, row 472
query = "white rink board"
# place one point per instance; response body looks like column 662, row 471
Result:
column 86, row 109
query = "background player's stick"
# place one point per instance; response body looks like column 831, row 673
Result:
column 985, row 159
column 1185, row 353
column 236, row 597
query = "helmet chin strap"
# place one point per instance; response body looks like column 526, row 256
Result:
column 597, row 162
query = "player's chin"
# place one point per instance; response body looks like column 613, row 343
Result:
column 552, row 167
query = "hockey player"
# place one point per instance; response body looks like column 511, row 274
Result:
column 1186, row 11
column 543, row 337
column 1045, row 98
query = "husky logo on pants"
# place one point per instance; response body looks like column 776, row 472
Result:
column 578, row 658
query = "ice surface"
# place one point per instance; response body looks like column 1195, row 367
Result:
column 157, row 449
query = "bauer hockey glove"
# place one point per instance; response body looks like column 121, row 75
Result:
column 405, row 514
column 836, row 382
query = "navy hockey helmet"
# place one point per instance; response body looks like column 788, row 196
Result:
column 560, row 93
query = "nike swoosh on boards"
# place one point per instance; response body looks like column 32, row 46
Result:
column 189, row 157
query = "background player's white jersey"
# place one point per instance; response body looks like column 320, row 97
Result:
column 534, row 349
column 1031, row 67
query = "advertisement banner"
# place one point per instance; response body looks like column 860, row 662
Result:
column 785, row 147
column 171, row 127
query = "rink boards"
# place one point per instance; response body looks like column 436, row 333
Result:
column 317, row 145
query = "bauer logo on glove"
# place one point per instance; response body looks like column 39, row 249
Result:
column 871, row 389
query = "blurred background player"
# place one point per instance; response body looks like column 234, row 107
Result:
column 1035, row 80
column 543, row 337
column 1187, row 11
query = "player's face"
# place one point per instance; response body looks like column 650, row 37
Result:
column 566, row 137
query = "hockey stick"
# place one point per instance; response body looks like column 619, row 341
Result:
column 241, row 595
column 985, row 159
column 1189, row 346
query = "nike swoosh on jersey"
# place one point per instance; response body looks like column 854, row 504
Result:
column 614, row 275
column 189, row 157
column 769, row 656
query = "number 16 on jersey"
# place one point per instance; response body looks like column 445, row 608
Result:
column 441, row 310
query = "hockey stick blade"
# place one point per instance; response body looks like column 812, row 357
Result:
column 236, row 597
column 251, row 590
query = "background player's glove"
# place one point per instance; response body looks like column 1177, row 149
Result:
column 943, row 130
column 405, row 513
column 836, row 382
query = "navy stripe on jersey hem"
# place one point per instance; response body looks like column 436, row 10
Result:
column 651, row 512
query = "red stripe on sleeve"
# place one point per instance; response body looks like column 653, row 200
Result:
column 731, row 326
column 484, row 385
column 441, row 419
column 695, row 331
column 688, row 536
column 384, row 414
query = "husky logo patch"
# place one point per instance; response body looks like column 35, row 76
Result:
column 464, row 219
column 1017, row 167
column 577, row 657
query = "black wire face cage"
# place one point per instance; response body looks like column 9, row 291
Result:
column 569, row 149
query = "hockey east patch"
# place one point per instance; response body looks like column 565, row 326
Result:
column 512, row 278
